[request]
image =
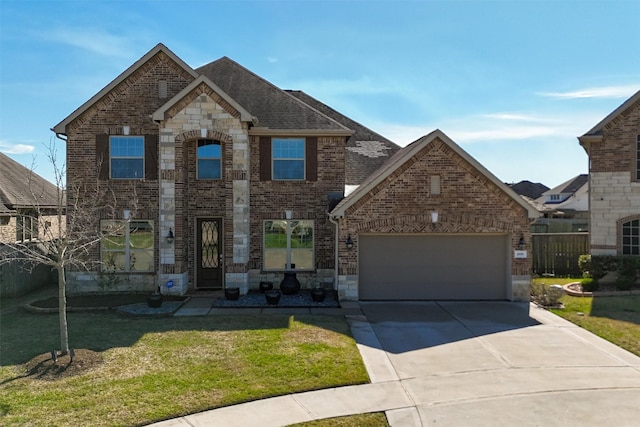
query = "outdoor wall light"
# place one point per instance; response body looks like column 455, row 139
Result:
column 521, row 242
column 349, row 242
column 434, row 217
column 170, row 236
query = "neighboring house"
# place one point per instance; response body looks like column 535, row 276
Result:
column 613, row 146
column 565, row 208
column 28, row 204
column 225, row 180
column 531, row 190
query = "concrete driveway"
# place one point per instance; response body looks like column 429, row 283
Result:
column 496, row 364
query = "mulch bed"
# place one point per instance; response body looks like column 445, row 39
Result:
column 43, row 367
column 98, row 301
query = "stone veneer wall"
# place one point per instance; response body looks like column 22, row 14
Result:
column 614, row 190
column 184, row 198
column 468, row 203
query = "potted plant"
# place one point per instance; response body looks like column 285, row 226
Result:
column 155, row 299
column 232, row 294
column 265, row 286
column 318, row 294
column 273, row 296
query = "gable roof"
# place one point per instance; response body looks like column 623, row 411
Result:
column 408, row 152
column 366, row 150
column 245, row 116
column 275, row 109
column 629, row 103
column 23, row 188
column 61, row 127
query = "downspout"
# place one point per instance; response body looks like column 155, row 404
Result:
column 335, row 267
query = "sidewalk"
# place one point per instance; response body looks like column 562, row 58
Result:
column 541, row 370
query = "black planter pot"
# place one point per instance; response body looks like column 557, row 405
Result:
column 290, row 284
column 318, row 294
column 232, row 294
column 265, row 286
column 154, row 300
column 273, row 296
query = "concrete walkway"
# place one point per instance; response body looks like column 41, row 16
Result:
column 463, row 364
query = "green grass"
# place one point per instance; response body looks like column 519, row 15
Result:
column 158, row 368
column 376, row 419
column 616, row 319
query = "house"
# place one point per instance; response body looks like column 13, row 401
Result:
column 225, row 180
column 531, row 190
column 433, row 223
column 613, row 146
column 564, row 208
column 28, row 204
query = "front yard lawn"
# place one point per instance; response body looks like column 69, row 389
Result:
column 148, row 369
column 616, row 318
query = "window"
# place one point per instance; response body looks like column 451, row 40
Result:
column 638, row 158
column 26, row 227
column 209, row 154
column 554, row 197
column 288, row 159
column 4, row 220
column 631, row 237
column 126, row 154
column 435, row 185
column 127, row 246
column 288, row 240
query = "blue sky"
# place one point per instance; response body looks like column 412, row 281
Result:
column 512, row 82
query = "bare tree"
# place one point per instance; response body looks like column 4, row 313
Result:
column 67, row 238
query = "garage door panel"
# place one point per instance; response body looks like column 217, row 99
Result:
column 397, row 266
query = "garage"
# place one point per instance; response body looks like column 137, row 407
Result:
column 433, row 266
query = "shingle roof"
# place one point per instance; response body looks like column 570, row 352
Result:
column 366, row 149
column 21, row 187
column 273, row 107
column 529, row 189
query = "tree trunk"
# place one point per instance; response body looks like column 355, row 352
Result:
column 62, row 311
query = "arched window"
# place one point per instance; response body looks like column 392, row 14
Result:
column 631, row 237
column 209, row 154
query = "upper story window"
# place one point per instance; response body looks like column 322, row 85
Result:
column 288, row 157
column 631, row 237
column 126, row 154
column 554, row 197
column 209, row 155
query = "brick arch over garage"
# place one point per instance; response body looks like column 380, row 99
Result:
column 423, row 224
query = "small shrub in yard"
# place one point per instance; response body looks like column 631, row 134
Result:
column 589, row 284
column 547, row 296
column 627, row 273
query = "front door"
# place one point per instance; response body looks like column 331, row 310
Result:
column 209, row 253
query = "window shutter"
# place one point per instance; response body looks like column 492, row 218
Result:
column 311, row 158
column 102, row 156
column 265, row 158
column 151, row 157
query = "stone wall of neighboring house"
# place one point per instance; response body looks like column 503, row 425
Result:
column 7, row 229
column 130, row 103
column 468, row 203
column 614, row 187
column 307, row 200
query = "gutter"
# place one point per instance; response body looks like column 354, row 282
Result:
column 335, row 250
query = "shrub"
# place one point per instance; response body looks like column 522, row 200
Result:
column 584, row 263
column 627, row 273
column 589, row 284
column 546, row 295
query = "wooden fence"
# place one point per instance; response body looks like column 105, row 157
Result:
column 557, row 253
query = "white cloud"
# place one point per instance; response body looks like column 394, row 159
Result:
column 16, row 148
column 622, row 91
column 92, row 40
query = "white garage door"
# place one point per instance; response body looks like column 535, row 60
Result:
column 433, row 266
